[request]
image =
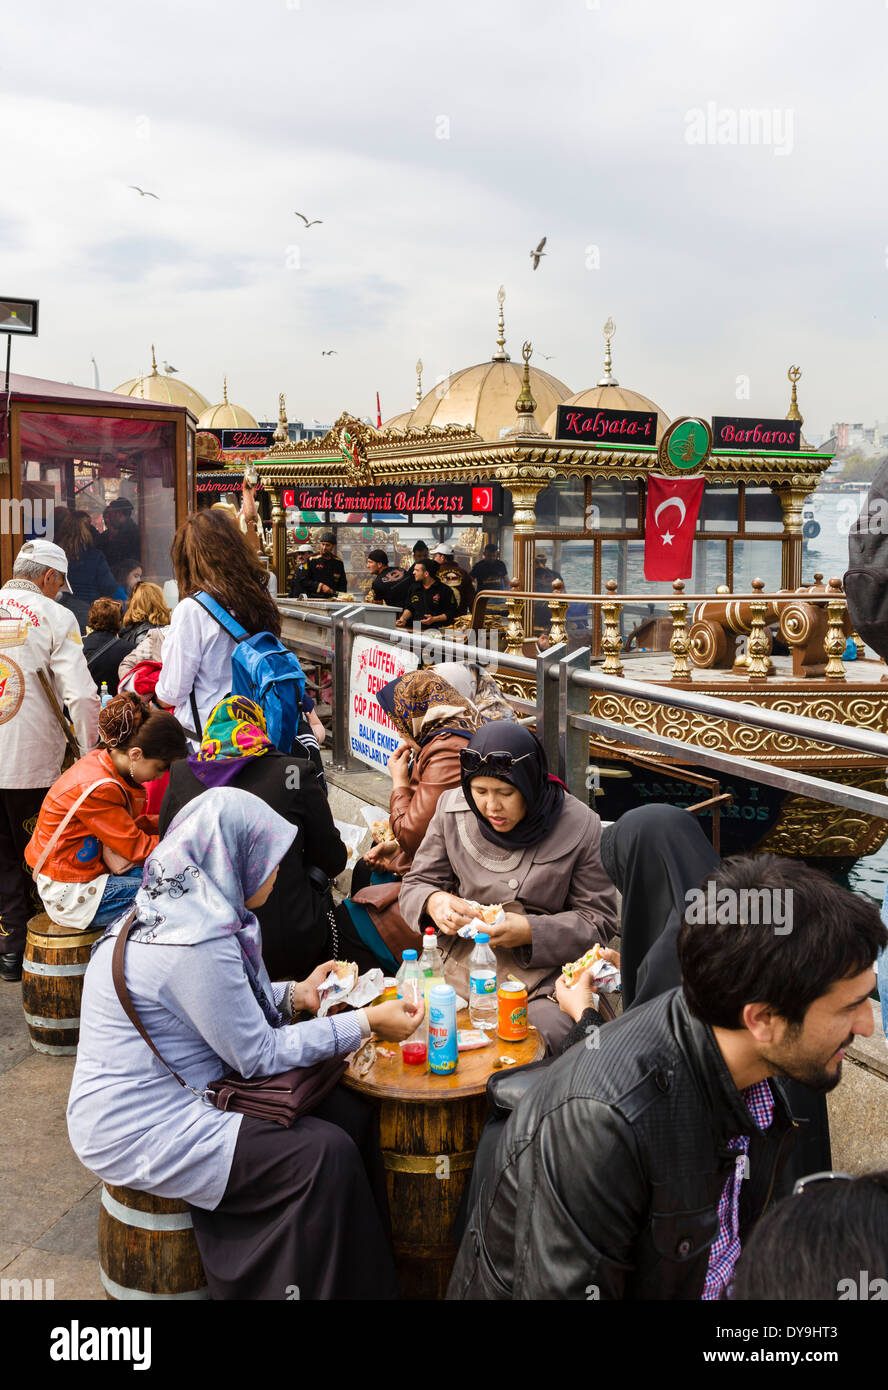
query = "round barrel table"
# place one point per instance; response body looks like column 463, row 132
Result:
column 429, row 1127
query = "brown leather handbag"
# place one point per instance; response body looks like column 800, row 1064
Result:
column 283, row 1098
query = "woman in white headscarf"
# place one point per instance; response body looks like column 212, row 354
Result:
column 272, row 1207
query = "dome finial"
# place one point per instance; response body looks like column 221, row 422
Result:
column 608, row 330
column 525, row 404
column 501, row 355
column 526, row 423
column 153, row 362
column 418, row 380
column 225, row 390
column 282, row 434
column 794, row 413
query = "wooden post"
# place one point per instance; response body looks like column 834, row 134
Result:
column 611, row 641
column 558, row 611
column 679, row 643
column 757, row 644
column 835, row 632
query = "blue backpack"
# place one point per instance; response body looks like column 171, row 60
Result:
column 263, row 670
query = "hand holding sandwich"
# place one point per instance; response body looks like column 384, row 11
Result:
column 514, row 930
column 574, row 999
column 449, row 912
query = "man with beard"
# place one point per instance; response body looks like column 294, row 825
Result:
column 653, row 1146
column 429, row 602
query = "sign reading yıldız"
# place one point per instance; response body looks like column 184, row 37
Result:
column 577, row 422
column 751, row 432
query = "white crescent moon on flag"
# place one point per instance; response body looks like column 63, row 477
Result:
column 484, row 498
column 670, row 502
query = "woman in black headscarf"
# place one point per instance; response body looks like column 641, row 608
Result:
column 512, row 835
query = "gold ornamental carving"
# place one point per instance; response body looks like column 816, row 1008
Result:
column 815, row 828
column 857, row 708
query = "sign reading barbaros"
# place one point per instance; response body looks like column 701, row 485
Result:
column 461, row 501
column 751, row 433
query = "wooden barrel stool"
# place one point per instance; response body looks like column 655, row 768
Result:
column 147, row 1247
column 53, row 968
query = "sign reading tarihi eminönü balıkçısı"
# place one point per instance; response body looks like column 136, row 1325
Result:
column 372, row 736
column 419, row 500
column 753, row 433
column 578, row 422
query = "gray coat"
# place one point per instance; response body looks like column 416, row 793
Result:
column 559, row 884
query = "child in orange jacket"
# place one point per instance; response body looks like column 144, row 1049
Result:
column 92, row 834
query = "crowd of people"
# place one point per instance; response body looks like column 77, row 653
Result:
column 656, row 1145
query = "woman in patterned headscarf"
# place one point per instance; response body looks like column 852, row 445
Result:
column 236, row 752
column 436, row 711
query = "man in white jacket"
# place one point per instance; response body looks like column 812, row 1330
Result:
column 36, row 633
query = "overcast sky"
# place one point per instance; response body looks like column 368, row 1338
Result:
column 438, row 144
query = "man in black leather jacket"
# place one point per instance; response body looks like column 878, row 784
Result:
column 615, row 1172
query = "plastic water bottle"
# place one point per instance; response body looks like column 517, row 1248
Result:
column 482, row 985
column 410, row 981
column 105, row 694
column 431, row 961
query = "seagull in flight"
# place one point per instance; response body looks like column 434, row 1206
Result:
column 547, row 356
column 538, row 254
column 329, row 352
column 168, row 369
column 144, row 192
column 317, row 221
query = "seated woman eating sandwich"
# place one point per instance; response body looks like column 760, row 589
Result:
column 512, row 835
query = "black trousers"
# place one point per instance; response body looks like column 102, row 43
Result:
column 304, row 1215
column 19, row 899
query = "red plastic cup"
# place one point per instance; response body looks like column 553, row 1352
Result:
column 414, row 1054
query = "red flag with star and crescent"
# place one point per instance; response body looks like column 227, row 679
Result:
column 670, row 522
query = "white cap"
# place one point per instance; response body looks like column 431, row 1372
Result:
column 444, row 548
column 305, row 548
column 47, row 553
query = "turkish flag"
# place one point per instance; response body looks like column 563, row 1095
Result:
column 670, row 522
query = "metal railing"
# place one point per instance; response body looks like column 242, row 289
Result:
column 563, row 720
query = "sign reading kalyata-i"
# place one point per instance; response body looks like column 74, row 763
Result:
column 423, row 500
column 606, row 426
column 372, row 736
column 751, row 432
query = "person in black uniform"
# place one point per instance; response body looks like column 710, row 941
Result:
column 490, row 572
column 300, row 576
column 325, row 576
column 421, row 557
column 429, row 603
column 390, row 585
column 121, row 537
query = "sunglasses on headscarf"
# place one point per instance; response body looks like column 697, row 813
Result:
column 494, row 764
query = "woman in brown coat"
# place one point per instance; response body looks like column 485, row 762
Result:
column 435, row 711
column 513, row 835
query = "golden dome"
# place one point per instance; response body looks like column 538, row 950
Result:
column 608, row 394
column 397, row 422
column 484, row 396
column 226, row 416
column 165, row 389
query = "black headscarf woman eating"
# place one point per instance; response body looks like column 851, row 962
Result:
column 512, row 834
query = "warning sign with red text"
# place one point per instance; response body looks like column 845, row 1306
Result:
column 372, row 736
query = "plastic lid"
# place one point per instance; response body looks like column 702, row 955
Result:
column 442, row 994
column 409, row 955
column 482, row 938
column 430, row 931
